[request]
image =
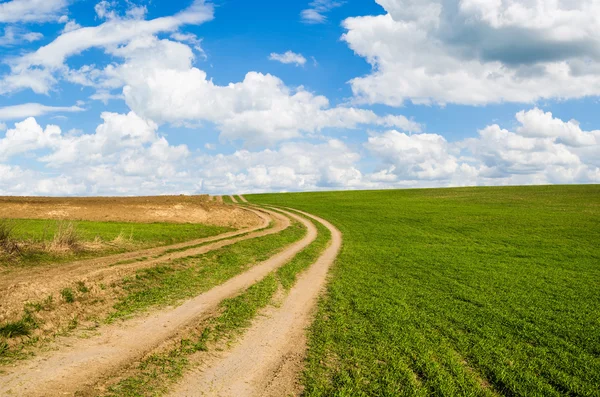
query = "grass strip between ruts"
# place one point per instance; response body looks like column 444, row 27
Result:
column 155, row 373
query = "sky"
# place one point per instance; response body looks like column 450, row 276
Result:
column 142, row 97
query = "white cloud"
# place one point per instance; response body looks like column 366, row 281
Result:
column 114, row 31
column 27, row 136
column 288, row 57
column 33, row 109
column 414, row 157
column 15, row 36
column 161, row 85
column 126, row 155
column 477, row 52
column 70, row 24
column 318, row 8
column 293, row 166
column 542, row 149
column 31, row 10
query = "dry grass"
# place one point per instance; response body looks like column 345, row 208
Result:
column 66, row 237
column 8, row 245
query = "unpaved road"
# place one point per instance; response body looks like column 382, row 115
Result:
column 242, row 198
column 233, row 199
column 269, row 357
column 34, row 284
column 80, row 364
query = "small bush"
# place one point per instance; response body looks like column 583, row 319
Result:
column 68, row 295
column 66, row 236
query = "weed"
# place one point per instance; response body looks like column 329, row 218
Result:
column 8, row 244
column 15, row 328
column 81, row 287
column 68, row 295
column 66, row 236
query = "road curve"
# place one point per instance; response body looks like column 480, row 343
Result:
column 84, row 362
column 269, row 357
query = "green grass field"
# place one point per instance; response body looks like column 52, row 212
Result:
column 470, row 291
column 30, row 232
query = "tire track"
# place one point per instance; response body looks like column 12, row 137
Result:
column 269, row 358
column 35, row 285
column 233, row 199
column 242, row 198
column 85, row 362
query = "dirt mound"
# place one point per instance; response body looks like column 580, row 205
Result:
column 175, row 209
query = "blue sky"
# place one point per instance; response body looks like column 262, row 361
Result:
column 150, row 97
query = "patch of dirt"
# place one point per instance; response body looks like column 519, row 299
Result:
column 80, row 364
column 175, row 209
column 268, row 359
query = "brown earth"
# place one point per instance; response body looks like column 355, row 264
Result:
column 176, row 209
column 79, row 364
column 269, row 358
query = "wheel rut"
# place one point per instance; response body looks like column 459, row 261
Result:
column 36, row 284
column 269, row 357
column 79, row 364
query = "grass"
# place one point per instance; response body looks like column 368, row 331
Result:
column 37, row 233
column 227, row 200
column 68, row 295
column 157, row 372
column 190, row 276
column 470, row 291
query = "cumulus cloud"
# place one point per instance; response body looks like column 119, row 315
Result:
column 288, row 57
column 316, row 13
column 161, row 84
column 477, row 52
column 125, row 150
column 542, row 149
column 127, row 155
column 33, row 109
column 31, row 10
column 116, row 30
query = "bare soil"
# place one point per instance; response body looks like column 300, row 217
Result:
column 175, row 209
column 78, row 365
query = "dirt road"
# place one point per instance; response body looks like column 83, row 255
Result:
column 269, row 357
column 35, row 284
column 233, row 199
column 242, row 198
column 79, row 364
